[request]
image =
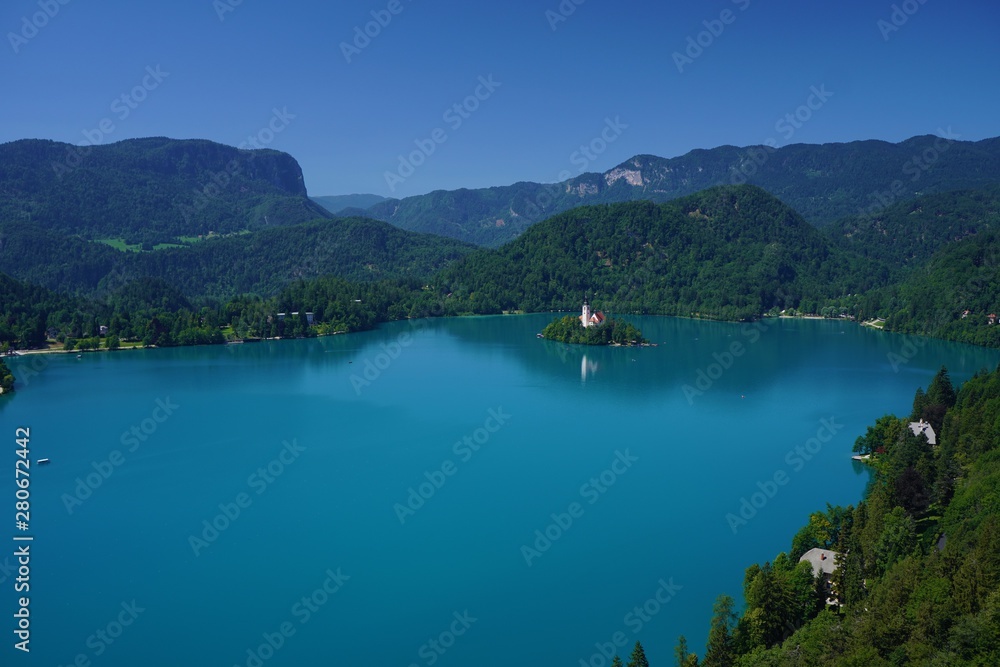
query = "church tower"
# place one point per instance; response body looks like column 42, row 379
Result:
column 585, row 318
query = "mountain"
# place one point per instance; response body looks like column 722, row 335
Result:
column 151, row 190
column 933, row 299
column 822, row 182
column 337, row 203
column 907, row 234
column 730, row 252
column 258, row 262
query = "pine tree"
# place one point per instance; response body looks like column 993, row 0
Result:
column 684, row 657
column 638, row 657
column 616, row 662
column 941, row 390
column 720, row 651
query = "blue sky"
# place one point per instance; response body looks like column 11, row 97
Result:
column 559, row 75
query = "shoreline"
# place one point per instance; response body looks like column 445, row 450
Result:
column 761, row 318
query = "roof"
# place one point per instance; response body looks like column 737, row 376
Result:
column 822, row 560
column 923, row 427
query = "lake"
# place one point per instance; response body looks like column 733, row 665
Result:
column 445, row 492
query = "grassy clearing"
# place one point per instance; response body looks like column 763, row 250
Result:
column 119, row 244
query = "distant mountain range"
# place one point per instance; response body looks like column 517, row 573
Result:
column 906, row 232
column 824, row 183
column 339, row 203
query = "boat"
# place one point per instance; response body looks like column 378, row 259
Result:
column 42, row 462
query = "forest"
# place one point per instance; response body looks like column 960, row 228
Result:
column 824, row 183
column 917, row 576
column 731, row 253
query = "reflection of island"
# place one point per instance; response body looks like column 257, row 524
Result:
column 592, row 328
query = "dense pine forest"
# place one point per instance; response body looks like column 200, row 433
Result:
column 917, row 562
column 733, row 253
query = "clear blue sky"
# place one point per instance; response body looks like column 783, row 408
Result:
column 606, row 60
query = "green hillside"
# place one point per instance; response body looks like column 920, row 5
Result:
column 731, row 252
column 933, row 299
column 907, row 234
column 917, row 561
column 259, row 262
column 150, row 190
column 824, row 183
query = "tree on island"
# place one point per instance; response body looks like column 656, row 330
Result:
column 569, row 330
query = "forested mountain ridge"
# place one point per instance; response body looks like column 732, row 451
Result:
column 150, row 190
column 823, row 183
column 951, row 296
column 730, row 252
column 259, row 262
column 907, row 234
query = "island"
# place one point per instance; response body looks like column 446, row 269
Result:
column 592, row 328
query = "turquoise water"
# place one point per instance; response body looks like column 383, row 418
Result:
column 335, row 561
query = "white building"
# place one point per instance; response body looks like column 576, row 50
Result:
column 590, row 319
column 923, row 427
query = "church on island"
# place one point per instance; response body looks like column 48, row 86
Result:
column 589, row 319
